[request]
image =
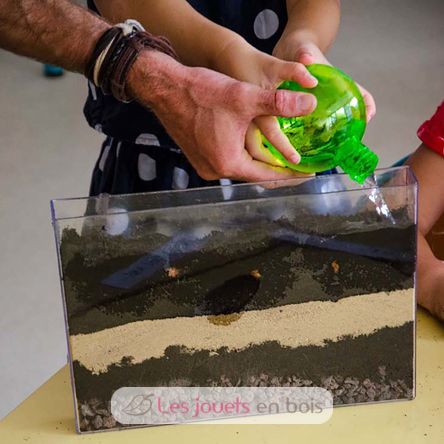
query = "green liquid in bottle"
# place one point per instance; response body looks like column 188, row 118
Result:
column 331, row 135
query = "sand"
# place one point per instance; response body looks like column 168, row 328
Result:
column 295, row 325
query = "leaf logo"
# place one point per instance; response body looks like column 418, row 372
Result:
column 139, row 405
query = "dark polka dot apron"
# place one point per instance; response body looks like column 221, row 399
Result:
column 138, row 155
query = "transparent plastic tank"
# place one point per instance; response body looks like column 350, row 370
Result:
column 251, row 287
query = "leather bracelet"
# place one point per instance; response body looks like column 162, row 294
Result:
column 109, row 66
column 106, row 38
column 134, row 44
column 115, row 53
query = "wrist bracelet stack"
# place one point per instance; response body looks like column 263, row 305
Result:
column 116, row 51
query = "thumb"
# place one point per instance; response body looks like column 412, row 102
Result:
column 310, row 53
column 305, row 57
column 283, row 103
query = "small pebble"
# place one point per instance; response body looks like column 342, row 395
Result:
column 97, row 422
column 86, row 411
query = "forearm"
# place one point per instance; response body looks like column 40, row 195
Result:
column 60, row 32
column 429, row 170
column 197, row 40
column 315, row 20
column 52, row 31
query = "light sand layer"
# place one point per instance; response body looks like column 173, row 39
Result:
column 310, row 323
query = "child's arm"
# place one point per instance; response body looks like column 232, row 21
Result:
column 315, row 21
column 429, row 170
column 200, row 42
column 196, row 39
column 311, row 29
column 428, row 165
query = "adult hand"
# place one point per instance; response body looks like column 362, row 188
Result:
column 208, row 114
column 303, row 50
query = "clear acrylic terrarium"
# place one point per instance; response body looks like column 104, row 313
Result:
column 292, row 283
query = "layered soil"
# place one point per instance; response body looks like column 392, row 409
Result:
column 300, row 302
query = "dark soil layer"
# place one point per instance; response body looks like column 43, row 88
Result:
column 363, row 369
column 111, row 281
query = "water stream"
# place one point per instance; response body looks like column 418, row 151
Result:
column 377, row 198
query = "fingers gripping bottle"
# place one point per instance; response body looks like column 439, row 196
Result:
column 331, row 135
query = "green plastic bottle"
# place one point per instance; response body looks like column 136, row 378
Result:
column 331, row 135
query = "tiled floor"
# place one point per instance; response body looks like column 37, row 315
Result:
column 394, row 48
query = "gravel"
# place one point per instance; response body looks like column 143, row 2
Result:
column 96, row 415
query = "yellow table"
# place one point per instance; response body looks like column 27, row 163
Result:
column 47, row 415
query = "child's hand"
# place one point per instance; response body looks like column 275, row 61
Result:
column 306, row 52
column 272, row 73
column 243, row 62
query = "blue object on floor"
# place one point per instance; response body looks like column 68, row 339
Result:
column 402, row 161
column 52, row 70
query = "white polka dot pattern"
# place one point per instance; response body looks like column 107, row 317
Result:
column 147, row 139
column 227, row 190
column 180, row 179
column 146, row 166
column 102, row 160
column 117, row 221
column 266, row 24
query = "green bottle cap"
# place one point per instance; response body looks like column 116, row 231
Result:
column 356, row 160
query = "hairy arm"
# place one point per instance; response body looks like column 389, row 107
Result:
column 53, row 31
column 205, row 112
